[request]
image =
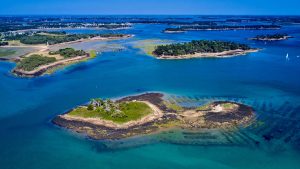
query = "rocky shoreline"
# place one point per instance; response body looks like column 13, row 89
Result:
column 214, row 115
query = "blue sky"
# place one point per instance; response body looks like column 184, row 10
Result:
column 172, row 7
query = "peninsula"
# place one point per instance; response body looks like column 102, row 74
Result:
column 201, row 48
column 43, row 60
column 38, row 64
column 150, row 113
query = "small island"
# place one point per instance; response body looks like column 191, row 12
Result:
column 174, row 30
column 38, row 64
column 150, row 113
column 201, row 48
column 271, row 37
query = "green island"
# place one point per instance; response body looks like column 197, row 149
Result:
column 151, row 113
column 201, row 48
column 218, row 27
column 41, row 62
column 271, row 37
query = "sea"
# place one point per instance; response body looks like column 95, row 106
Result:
column 265, row 80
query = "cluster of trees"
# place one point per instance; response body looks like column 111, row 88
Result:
column 3, row 43
column 44, row 39
column 112, row 35
column 174, row 30
column 68, row 52
column 34, row 61
column 198, row 46
column 222, row 27
column 271, row 36
column 110, row 107
column 53, row 32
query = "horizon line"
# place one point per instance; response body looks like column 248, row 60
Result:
column 149, row 14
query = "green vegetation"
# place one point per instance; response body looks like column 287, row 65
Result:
column 228, row 105
column 173, row 106
column 68, row 52
column 44, row 38
column 221, row 27
column 93, row 53
column 54, row 33
column 271, row 36
column 34, row 61
column 113, row 111
column 6, row 52
column 198, row 46
column 3, row 43
column 205, row 107
column 13, row 24
column 149, row 45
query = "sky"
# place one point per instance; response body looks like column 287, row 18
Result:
column 146, row 7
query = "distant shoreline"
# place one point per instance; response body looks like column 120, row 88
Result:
column 271, row 39
column 41, row 70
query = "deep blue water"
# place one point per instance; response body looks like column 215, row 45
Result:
column 264, row 80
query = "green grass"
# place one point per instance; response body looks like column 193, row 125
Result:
column 6, row 52
column 203, row 108
column 148, row 46
column 173, row 106
column 34, row 61
column 227, row 105
column 132, row 111
column 93, row 53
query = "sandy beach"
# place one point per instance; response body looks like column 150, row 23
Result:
column 224, row 54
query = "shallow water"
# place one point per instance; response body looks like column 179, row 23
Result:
column 264, row 80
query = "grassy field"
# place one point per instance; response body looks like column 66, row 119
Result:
column 148, row 46
column 34, row 61
column 228, row 105
column 131, row 110
column 6, row 52
column 15, row 43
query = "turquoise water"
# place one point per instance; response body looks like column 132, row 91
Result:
column 264, row 80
